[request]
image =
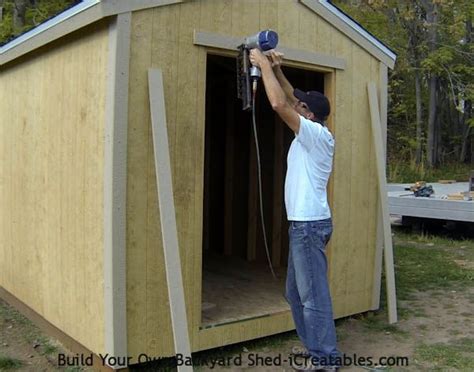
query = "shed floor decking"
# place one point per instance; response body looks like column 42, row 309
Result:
column 234, row 289
column 402, row 202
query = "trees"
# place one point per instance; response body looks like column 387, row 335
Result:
column 432, row 86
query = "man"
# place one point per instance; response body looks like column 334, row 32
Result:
column 309, row 167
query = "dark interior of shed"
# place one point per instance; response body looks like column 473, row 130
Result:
column 237, row 282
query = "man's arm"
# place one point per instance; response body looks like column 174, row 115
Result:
column 277, row 58
column 274, row 90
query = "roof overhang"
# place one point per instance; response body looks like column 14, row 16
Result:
column 90, row 11
column 74, row 18
column 352, row 29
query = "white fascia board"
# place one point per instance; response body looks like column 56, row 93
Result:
column 358, row 28
column 64, row 16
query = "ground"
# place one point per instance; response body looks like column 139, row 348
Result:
column 435, row 290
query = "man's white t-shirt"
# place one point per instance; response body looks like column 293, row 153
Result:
column 309, row 167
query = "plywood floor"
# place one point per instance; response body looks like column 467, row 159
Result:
column 234, row 289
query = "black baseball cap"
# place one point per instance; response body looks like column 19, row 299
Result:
column 316, row 101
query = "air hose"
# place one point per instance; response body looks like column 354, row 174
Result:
column 259, row 171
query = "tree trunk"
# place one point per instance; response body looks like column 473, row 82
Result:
column 19, row 11
column 468, row 104
column 465, row 141
column 2, row 2
column 432, row 135
column 419, row 117
column 432, row 153
column 472, row 149
column 468, row 138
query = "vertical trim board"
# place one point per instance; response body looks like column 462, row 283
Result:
column 115, row 187
column 380, row 160
column 168, row 217
column 383, row 103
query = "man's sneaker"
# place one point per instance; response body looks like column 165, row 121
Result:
column 299, row 351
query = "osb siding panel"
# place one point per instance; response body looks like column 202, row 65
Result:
column 355, row 186
column 51, row 183
column 162, row 38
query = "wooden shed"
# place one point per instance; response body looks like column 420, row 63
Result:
column 80, row 234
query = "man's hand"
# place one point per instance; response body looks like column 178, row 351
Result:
column 257, row 58
column 276, row 58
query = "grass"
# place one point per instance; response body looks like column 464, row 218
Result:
column 458, row 354
column 376, row 326
column 428, row 239
column 7, row 363
column 47, row 347
column 406, row 172
column 427, row 268
column 9, row 314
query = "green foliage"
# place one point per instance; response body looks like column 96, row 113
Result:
column 6, row 25
column 36, row 13
column 409, row 172
column 7, row 363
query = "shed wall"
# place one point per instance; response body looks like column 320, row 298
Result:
column 163, row 38
column 52, row 104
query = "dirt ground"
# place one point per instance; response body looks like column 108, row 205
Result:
column 23, row 346
column 435, row 284
column 442, row 318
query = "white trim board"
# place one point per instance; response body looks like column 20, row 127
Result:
column 383, row 103
column 115, row 183
column 209, row 39
column 112, row 7
column 382, row 187
column 174, row 278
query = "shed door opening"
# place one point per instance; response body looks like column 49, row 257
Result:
column 237, row 282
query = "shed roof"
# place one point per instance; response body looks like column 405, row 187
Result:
column 90, row 11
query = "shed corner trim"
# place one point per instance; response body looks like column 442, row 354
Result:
column 115, row 180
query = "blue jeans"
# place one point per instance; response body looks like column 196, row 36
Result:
column 307, row 288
